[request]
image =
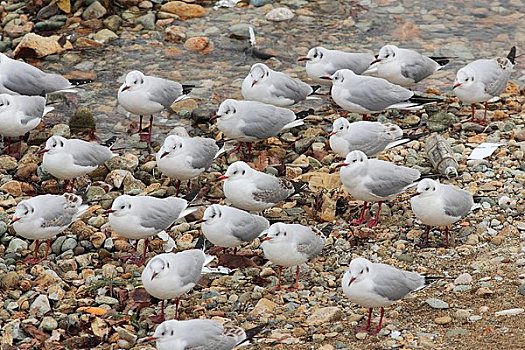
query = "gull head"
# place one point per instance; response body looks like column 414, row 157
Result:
column 387, row 54
column 168, row 331
column 134, row 80
column 6, row 102
column 354, row 158
column 359, row 269
column 236, row 171
column 340, row 125
column 341, row 76
column 54, row 144
column 24, row 212
column 158, row 266
column 212, row 214
column 464, row 79
column 426, row 187
column 315, row 55
column 121, row 206
column 227, row 109
column 259, row 72
column 276, row 233
column 171, row 145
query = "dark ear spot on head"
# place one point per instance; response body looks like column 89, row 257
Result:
column 367, row 269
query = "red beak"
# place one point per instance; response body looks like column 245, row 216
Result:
column 326, row 77
column 164, row 154
column 147, row 340
column 264, row 239
column 43, row 151
column 222, row 177
column 456, row 85
column 213, row 117
column 109, row 211
column 351, row 280
column 200, row 221
column 304, row 58
column 341, row 164
column 254, row 82
column 14, row 219
column 332, row 133
column 375, row 61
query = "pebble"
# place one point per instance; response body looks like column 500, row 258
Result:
column 95, row 10
column 325, row 315
column 510, row 312
column 16, row 245
column 443, row 320
column 436, row 303
column 279, row 14
column 40, row 306
column 48, row 323
column 464, row 278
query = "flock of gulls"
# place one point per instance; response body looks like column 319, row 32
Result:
column 358, row 82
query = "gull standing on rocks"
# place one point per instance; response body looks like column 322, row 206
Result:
column 378, row 285
column 373, row 180
column 146, row 95
column 170, row 276
column 266, row 85
column 68, row 159
column 252, row 190
column 369, row 137
column 437, row 204
column 45, row 216
column 19, row 115
column 184, row 158
column 201, row 334
column 403, row 66
column 363, row 94
column 230, row 227
column 321, row 62
column 249, row 121
column 20, row 78
column 482, row 80
column 141, row 217
column 289, row 245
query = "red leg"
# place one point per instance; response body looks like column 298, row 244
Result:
column 380, row 325
column 47, row 249
column 235, row 251
column 365, row 328
column 19, row 153
column 279, row 272
column 375, row 220
column 249, row 157
column 366, row 117
column 297, row 278
column 177, row 301
column 177, row 188
column 361, row 217
column 34, row 259
column 238, row 148
column 473, row 111
column 485, row 114
column 159, row 318
column 150, row 128
column 446, row 236
column 188, row 187
column 140, row 123
column 141, row 262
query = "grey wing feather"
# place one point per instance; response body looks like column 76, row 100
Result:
column 265, row 120
column 271, row 189
column 160, row 214
column 248, row 227
column 164, row 91
column 293, row 89
column 29, row 80
column 202, row 152
column 394, row 284
column 88, row 154
column 356, row 62
column 55, row 214
column 200, row 333
column 456, row 202
column 32, row 107
column 377, row 94
column 370, row 139
column 419, row 68
column 310, row 245
column 189, row 265
column 388, row 179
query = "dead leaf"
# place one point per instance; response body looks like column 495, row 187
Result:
column 99, row 327
column 97, row 311
column 235, row 261
column 64, row 5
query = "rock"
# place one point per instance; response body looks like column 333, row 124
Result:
column 13, row 188
column 103, row 299
column 361, row 335
column 258, row 3
column 443, row 320
column 8, row 163
column 116, row 177
column 441, row 121
column 16, row 245
column 49, row 25
column 464, row 278
column 17, row 27
column 199, row 44
column 436, row 303
column 69, row 244
column 147, row 21
column 105, row 35
column 175, row 33
column 279, row 14
column 113, row 23
column 95, row 10
column 519, row 135
column 521, row 289
column 484, row 291
column 40, row 306
column 33, row 45
column 127, row 335
column 82, row 121
column 509, row 312
column 183, row 10
column 462, row 314
column 132, row 186
column 455, row 332
column 26, row 171
column 263, row 307
column 325, row 315
column 127, row 161
column 61, row 130
column 48, row 323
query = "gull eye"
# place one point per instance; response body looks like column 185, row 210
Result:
column 244, row 172
column 466, row 79
column 315, row 55
column 163, row 333
column 427, row 188
column 235, row 172
column 355, row 160
column 172, row 332
column 361, row 271
column 123, row 207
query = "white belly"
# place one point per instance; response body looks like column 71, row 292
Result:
column 359, row 293
column 283, row 254
column 61, row 166
column 129, row 226
column 240, row 194
column 220, row 236
column 339, row 145
column 429, row 211
column 136, row 102
column 177, row 168
column 33, row 230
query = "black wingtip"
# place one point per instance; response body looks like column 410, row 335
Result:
column 299, row 186
column 252, row 332
column 512, row 55
column 110, row 142
column 442, row 61
column 201, row 243
column 192, row 195
column 315, row 88
column 43, row 94
column 304, row 114
column 417, row 136
column 424, row 100
column 77, row 82
column 186, row 89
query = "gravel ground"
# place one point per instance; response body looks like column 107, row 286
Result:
column 46, row 305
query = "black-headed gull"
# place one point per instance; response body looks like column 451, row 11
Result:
column 436, row 204
column 373, row 180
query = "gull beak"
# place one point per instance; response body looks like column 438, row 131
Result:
column 43, row 151
column 332, row 133
column 164, row 154
column 341, row 164
column 304, row 58
column 414, row 194
column 326, row 77
column 213, row 117
column 125, row 88
column 254, row 82
column 375, row 61
column 267, row 238
column 109, row 211
column 456, row 85
column 14, row 219
column 200, row 221
column 147, row 340
column 222, row 177
column 351, row 281
column 154, row 275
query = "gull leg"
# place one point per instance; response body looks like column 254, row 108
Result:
column 366, row 116
column 485, row 121
column 150, row 128
column 143, row 259
column 188, row 187
column 177, row 188
column 424, row 240
column 365, row 328
column 177, row 301
column 375, row 220
column 34, row 259
column 235, row 251
column 380, row 325
column 249, row 157
column 278, row 286
column 297, row 278
column 473, row 112
column 47, row 249
column 446, row 237
column 159, row 318
column 19, row 153
column 140, row 123
column 238, row 148
column 361, row 217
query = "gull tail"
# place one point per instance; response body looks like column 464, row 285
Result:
column 220, row 143
column 77, row 82
column 304, row 114
column 315, row 88
column 512, row 55
column 251, row 333
column 397, row 143
column 47, row 110
column 442, row 61
column 293, row 124
column 190, row 197
column 298, row 186
column 186, row 89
